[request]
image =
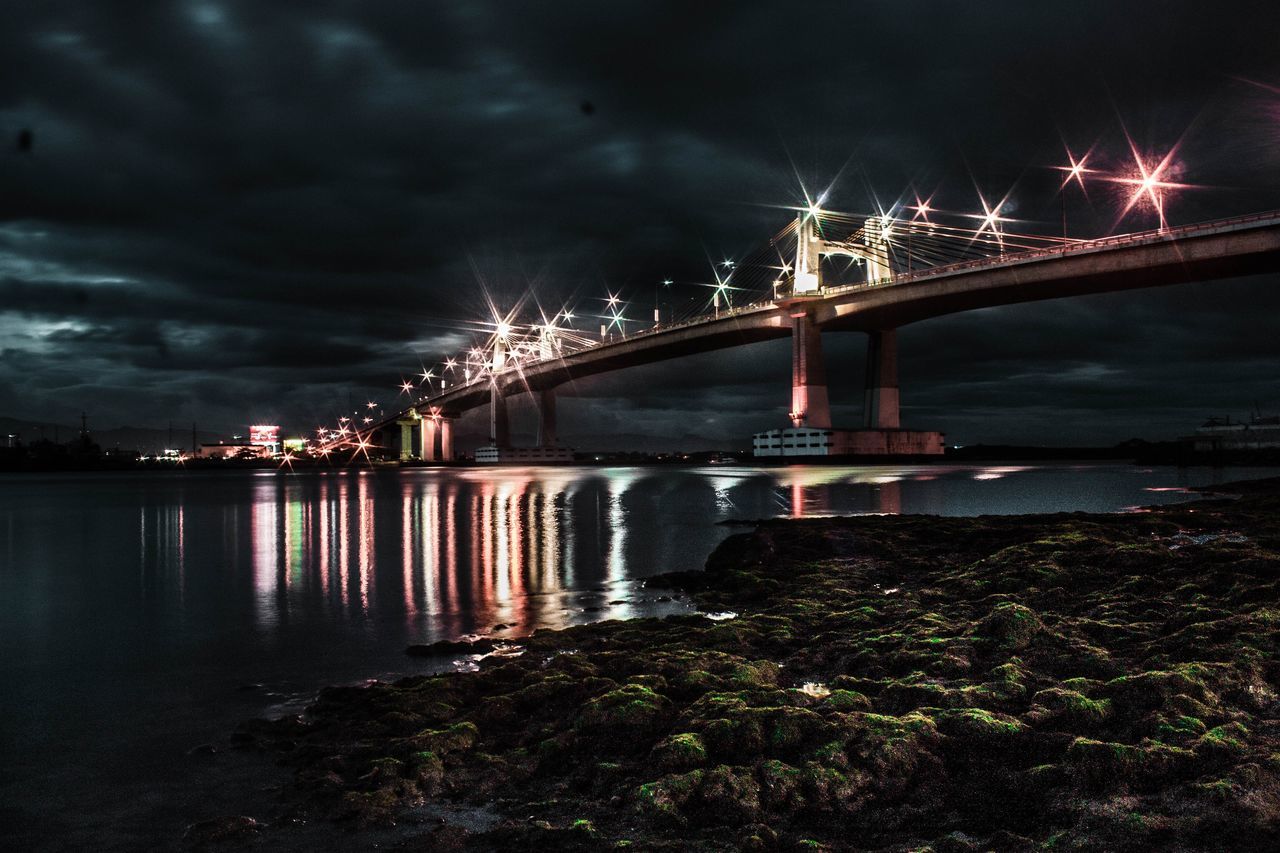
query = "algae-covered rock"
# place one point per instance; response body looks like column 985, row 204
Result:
column 682, row 751
column 627, row 712
column 1010, row 626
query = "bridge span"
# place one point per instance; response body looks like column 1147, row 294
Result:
column 1211, row 251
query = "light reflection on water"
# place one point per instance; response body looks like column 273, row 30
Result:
column 133, row 605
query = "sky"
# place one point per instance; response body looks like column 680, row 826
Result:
column 246, row 212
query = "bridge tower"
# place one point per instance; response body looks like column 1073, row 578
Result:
column 808, row 272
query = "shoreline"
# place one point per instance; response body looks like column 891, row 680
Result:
column 1008, row 682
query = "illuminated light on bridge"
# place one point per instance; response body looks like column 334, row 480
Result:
column 1075, row 170
column 1149, row 182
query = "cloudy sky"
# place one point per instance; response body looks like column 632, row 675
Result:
column 236, row 212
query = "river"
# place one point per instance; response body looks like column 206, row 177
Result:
column 142, row 615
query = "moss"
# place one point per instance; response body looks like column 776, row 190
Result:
column 1010, row 626
column 1069, row 704
column 631, row 709
column 847, row 700
column 682, row 751
column 975, row 723
column 1228, row 739
column 455, row 738
column 667, row 797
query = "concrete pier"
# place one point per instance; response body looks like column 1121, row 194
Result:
column 427, row 439
column 810, row 405
column 881, row 404
column 446, row 438
column 547, row 417
column 406, row 437
column 499, row 425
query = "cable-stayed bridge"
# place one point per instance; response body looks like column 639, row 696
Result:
column 823, row 272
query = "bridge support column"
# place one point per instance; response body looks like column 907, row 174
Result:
column 427, row 439
column 499, row 426
column 880, row 409
column 406, row 438
column 547, row 417
column 446, row 438
column 810, row 405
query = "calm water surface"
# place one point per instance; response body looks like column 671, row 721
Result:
column 144, row 614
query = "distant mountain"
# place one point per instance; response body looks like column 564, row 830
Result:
column 143, row 439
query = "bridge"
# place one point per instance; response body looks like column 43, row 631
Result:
column 906, row 270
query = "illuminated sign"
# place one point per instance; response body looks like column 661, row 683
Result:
column 295, row 444
column 263, row 434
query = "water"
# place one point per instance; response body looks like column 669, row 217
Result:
column 142, row 615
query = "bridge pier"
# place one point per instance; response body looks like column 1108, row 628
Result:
column 547, row 417
column 427, row 439
column 406, row 437
column 446, row 438
column 499, row 425
column 881, row 404
column 810, row 405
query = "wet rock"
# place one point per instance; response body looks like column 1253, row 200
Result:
column 449, row 647
column 219, row 829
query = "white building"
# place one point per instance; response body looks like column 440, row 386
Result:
column 810, row 441
column 523, row 455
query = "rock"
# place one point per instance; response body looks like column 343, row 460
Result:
column 226, row 828
column 449, row 647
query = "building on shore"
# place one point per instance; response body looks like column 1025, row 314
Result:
column 233, row 451
column 492, row 454
column 809, row 441
column 1223, row 434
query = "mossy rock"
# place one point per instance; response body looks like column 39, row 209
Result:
column 847, row 700
column 1149, row 691
column 666, row 799
column 624, row 713
column 683, row 751
column 457, row 737
column 1010, row 626
column 1224, row 742
column 984, row 729
column 730, row 795
column 734, row 738
column 780, row 787
column 1113, row 765
column 1070, row 706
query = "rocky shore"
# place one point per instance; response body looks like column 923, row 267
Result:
column 1055, row 682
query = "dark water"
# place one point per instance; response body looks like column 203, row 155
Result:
column 138, row 612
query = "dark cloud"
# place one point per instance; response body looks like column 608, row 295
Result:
column 226, row 211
